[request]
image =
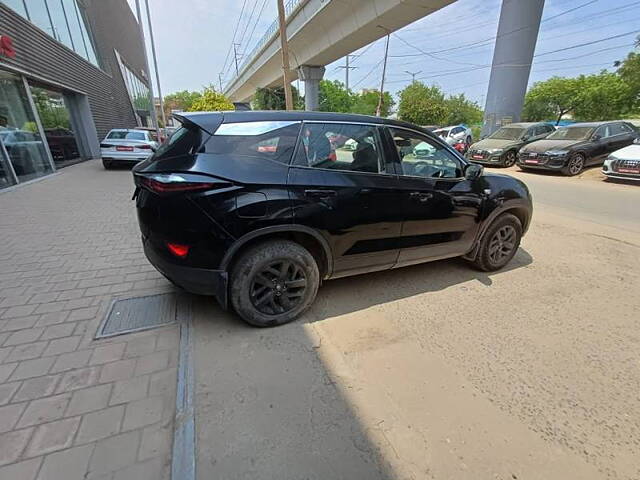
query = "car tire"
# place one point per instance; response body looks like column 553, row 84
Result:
column 106, row 164
column 273, row 283
column 509, row 159
column 499, row 244
column 575, row 165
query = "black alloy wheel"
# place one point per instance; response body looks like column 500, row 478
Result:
column 575, row 165
column 502, row 244
column 499, row 244
column 273, row 283
column 510, row 159
column 278, row 287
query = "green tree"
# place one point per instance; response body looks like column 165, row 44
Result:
column 462, row 110
column 334, row 97
column 629, row 72
column 273, row 99
column 554, row 98
column 604, row 96
column 366, row 103
column 211, row 101
column 422, row 105
column 180, row 101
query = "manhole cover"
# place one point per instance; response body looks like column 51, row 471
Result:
column 140, row 313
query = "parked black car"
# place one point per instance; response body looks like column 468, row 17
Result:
column 570, row 149
column 257, row 208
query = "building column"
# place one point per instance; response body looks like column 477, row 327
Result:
column 311, row 76
column 512, row 57
column 83, row 125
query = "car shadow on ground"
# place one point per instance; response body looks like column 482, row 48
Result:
column 270, row 405
column 351, row 294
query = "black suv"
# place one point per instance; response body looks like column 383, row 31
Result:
column 257, row 208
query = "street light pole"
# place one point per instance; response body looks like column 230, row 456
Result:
column 155, row 64
column 284, row 46
column 413, row 75
column 384, row 73
column 154, row 115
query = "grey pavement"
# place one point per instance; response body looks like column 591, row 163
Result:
column 72, row 407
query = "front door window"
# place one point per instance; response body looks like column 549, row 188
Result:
column 19, row 131
column 423, row 157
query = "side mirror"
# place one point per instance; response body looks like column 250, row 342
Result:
column 473, row 171
column 526, row 138
column 596, row 137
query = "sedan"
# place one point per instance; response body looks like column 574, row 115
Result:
column 570, row 149
column 127, row 146
column 624, row 164
column 455, row 134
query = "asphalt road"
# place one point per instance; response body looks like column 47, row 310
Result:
column 440, row 372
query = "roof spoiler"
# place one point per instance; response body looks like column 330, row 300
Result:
column 207, row 121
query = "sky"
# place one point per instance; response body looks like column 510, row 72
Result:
column 194, row 43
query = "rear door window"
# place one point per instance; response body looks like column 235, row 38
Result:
column 264, row 140
column 124, row 135
column 335, row 146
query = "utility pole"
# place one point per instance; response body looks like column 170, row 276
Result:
column 154, row 115
column 235, row 56
column 384, row 73
column 220, row 81
column 155, row 66
column 284, row 45
column 413, row 75
column 346, row 69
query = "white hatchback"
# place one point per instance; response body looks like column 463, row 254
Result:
column 127, row 146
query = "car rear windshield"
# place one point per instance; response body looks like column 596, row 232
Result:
column 263, row 140
column 508, row 133
column 571, row 133
column 124, row 135
column 185, row 141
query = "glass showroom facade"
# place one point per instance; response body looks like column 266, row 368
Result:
column 62, row 88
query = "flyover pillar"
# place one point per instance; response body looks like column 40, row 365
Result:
column 512, row 57
column 311, row 76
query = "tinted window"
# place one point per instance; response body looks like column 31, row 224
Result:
column 184, row 142
column 423, row 157
column 604, row 131
column 619, row 129
column 124, row 135
column 265, row 140
column 354, row 148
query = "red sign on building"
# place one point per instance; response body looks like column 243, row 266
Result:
column 6, row 47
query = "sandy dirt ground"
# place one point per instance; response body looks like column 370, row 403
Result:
column 439, row 372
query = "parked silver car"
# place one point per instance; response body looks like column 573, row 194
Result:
column 127, row 146
column 455, row 134
column 624, row 164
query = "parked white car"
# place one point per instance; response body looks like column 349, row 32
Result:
column 455, row 134
column 127, row 146
column 624, row 164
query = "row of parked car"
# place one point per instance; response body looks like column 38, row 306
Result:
column 540, row 146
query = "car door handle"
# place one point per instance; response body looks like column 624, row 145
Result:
column 421, row 197
column 320, row 193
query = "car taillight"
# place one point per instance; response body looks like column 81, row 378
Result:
column 173, row 184
column 179, row 250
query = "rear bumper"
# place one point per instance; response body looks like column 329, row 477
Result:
column 124, row 157
column 200, row 281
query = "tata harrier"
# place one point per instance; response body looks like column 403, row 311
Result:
column 258, row 208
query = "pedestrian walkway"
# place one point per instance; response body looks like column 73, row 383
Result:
column 72, row 407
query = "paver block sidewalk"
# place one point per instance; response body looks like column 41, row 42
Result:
column 72, row 407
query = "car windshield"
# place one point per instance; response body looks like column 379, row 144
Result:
column 508, row 133
column 571, row 133
column 126, row 135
